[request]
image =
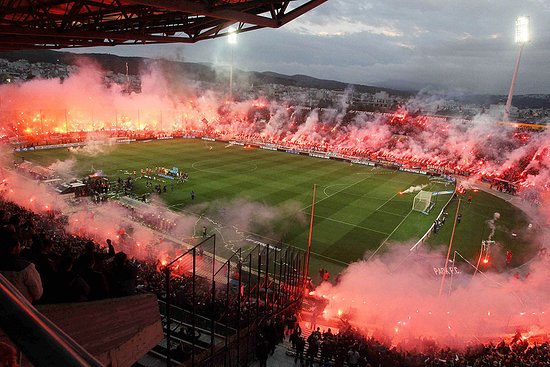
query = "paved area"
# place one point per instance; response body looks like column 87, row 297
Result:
column 279, row 358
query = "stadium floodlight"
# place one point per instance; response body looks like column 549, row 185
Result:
column 522, row 37
column 522, row 29
column 232, row 36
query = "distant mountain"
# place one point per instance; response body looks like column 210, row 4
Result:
column 311, row 82
column 207, row 73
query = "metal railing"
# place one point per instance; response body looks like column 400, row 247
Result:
column 226, row 297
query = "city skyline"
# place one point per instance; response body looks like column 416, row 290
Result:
column 455, row 46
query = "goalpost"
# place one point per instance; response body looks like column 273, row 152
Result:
column 422, row 202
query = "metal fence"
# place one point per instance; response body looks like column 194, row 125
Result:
column 214, row 303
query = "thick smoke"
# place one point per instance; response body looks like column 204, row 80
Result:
column 410, row 301
column 64, row 168
column 491, row 223
column 237, row 219
column 403, row 302
column 168, row 102
column 412, row 189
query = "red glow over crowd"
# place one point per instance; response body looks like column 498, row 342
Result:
column 515, row 159
column 509, row 159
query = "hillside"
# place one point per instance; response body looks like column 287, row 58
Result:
column 207, row 73
column 204, row 72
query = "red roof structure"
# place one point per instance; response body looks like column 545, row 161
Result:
column 54, row 24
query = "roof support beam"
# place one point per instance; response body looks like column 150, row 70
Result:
column 200, row 8
column 118, row 36
column 77, row 23
column 293, row 14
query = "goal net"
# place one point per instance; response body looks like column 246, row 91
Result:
column 422, row 201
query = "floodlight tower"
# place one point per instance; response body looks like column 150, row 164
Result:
column 522, row 37
column 232, row 40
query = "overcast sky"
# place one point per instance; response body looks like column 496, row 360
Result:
column 459, row 44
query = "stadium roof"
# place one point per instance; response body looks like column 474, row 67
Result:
column 51, row 24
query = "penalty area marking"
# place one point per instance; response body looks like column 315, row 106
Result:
column 387, row 201
column 395, row 229
column 351, row 225
column 390, row 213
column 387, row 238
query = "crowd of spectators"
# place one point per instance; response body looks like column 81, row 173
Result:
column 349, row 347
column 382, row 157
column 48, row 265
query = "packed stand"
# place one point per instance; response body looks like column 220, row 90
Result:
column 48, row 265
column 349, row 347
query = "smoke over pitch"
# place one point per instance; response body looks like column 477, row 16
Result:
column 168, row 102
column 401, row 301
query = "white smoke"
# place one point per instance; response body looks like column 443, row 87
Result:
column 65, row 169
column 412, row 189
column 491, row 223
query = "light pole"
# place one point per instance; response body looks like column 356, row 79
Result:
column 522, row 37
column 232, row 40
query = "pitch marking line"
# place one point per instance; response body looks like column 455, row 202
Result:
column 387, row 201
column 339, row 191
column 390, row 213
column 386, row 240
column 350, row 224
column 316, row 254
column 329, row 186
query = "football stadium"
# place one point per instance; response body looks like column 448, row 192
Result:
column 175, row 225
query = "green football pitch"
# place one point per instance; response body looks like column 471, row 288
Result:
column 359, row 210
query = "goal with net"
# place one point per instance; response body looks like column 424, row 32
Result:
column 423, row 202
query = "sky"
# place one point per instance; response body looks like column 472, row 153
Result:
column 451, row 45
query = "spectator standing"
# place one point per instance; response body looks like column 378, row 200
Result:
column 262, row 350
column 300, row 346
column 20, row 272
column 317, row 333
column 40, row 254
column 69, row 286
column 322, row 273
column 296, row 333
column 312, row 350
column 290, row 321
column 95, row 279
column 99, row 257
column 353, row 357
column 122, row 276
column 269, row 332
